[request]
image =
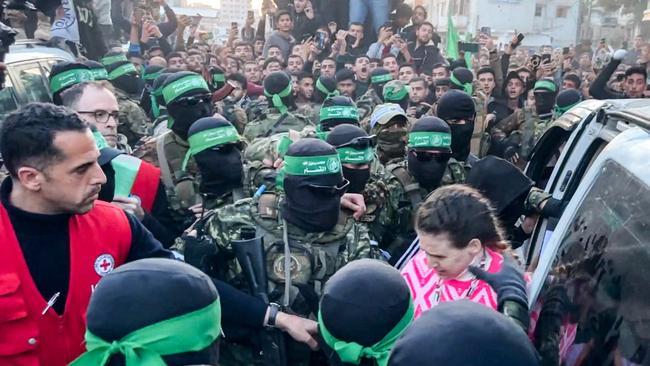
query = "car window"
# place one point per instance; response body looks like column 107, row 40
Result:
column 8, row 101
column 547, row 151
column 594, row 306
column 34, row 83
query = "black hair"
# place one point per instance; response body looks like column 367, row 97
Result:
column 389, row 55
column 573, row 78
column 358, row 24
column 636, row 70
column 360, row 57
column 344, row 74
column 407, row 65
column 485, row 70
column 427, row 23
column 305, row 75
column 174, row 54
column 281, row 13
column 270, row 60
column 239, row 77
column 423, row 9
column 418, row 79
column 328, row 58
column 27, row 135
column 293, row 55
column 403, row 11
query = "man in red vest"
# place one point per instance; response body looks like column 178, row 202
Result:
column 57, row 241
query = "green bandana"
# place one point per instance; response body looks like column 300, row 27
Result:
column 126, row 169
column 561, row 110
column 100, row 141
column 121, row 71
column 467, row 88
column 312, row 165
column 210, row 138
column 277, row 98
column 546, row 85
column 109, row 60
column 219, row 78
column 99, row 74
column 69, row 78
column 351, row 155
column 153, row 75
column 181, row 86
column 190, row 332
column 323, row 89
column 378, row 79
column 339, row 112
column 427, row 139
column 351, row 352
column 393, row 96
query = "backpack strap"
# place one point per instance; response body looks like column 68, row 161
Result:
column 411, row 187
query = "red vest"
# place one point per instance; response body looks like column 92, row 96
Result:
column 146, row 185
column 100, row 240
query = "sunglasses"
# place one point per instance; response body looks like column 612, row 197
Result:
column 192, row 101
column 359, row 143
column 424, row 156
column 331, row 190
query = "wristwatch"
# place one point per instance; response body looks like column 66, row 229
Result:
column 273, row 314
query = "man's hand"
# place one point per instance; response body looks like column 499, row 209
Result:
column 309, row 10
column 183, row 22
column 130, row 205
column 509, row 283
column 300, row 329
column 197, row 210
column 619, row 55
column 385, row 34
column 354, row 202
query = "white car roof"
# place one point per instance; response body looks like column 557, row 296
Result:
column 28, row 52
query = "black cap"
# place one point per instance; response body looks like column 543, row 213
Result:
column 432, row 124
column 344, row 74
column 568, row 98
column 463, row 333
column 208, row 123
column 339, row 100
column 463, row 75
column 455, row 105
column 276, row 82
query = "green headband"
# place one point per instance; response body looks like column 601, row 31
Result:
column 153, row 75
column 390, row 95
column 561, row 110
column 426, row 139
column 351, row 155
column 467, row 87
column 69, row 78
column 100, row 141
column 181, row 86
column 547, row 85
column 339, row 112
column 277, row 98
column 323, row 89
column 220, row 78
column 378, row 79
column 121, row 71
column 312, row 165
column 190, row 332
column 99, row 74
column 210, row 138
column 109, row 60
column 351, row 352
column 155, row 108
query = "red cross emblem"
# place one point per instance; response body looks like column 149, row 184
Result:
column 104, row 264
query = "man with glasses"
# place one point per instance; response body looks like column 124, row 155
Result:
column 428, row 165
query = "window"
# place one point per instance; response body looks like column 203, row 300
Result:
column 7, row 98
column 562, row 11
column 539, row 10
column 597, row 288
column 34, row 83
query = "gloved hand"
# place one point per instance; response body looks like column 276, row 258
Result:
column 197, row 249
column 619, row 55
column 509, row 283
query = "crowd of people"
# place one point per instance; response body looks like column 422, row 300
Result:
column 343, row 190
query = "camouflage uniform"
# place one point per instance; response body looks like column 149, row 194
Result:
column 123, row 144
column 264, row 126
column 404, row 198
column 133, row 121
column 366, row 104
column 531, row 131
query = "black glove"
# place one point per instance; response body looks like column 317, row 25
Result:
column 197, row 249
column 510, row 287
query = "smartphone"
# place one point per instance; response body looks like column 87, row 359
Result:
column 520, row 37
column 350, row 39
column 535, row 61
column 546, row 58
column 319, row 40
column 566, row 50
column 469, row 47
column 486, row 31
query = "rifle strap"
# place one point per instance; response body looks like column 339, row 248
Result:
column 165, row 172
column 411, row 187
column 277, row 124
column 287, row 265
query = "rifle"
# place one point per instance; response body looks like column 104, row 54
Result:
column 250, row 255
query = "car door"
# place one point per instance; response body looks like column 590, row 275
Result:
column 31, row 82
column 589, row 295
column 8, row 97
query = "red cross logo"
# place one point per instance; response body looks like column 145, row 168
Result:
column 104, row 264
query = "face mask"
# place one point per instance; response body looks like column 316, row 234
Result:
column 391, row 144
column 185, row 115
column 427, row 171
column 357, row 177
column 461, row 137
column 221, row 170
column 544, row 103
column 310, row 209
column 131, row 85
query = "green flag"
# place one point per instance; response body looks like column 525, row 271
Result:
column 468, row 55
column 452, row 38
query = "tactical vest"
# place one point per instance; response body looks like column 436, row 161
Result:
column 179, row 185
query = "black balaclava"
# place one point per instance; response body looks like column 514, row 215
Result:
column 147, row 100
column 124, row 76
column 106, row 155
column 545, row 92
column 324, row 88
column 148, row 291
column 456, row 105
column 66, row 74
column 504, row 185
column 429, row 133
column 463, row 333
column 188, row 99
column 378, row 78
column 219, row 161
column 344, row 138
column 217, row 78
column 348, row 310
column 277, row 89
column 306, row 206
column 336, row 111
